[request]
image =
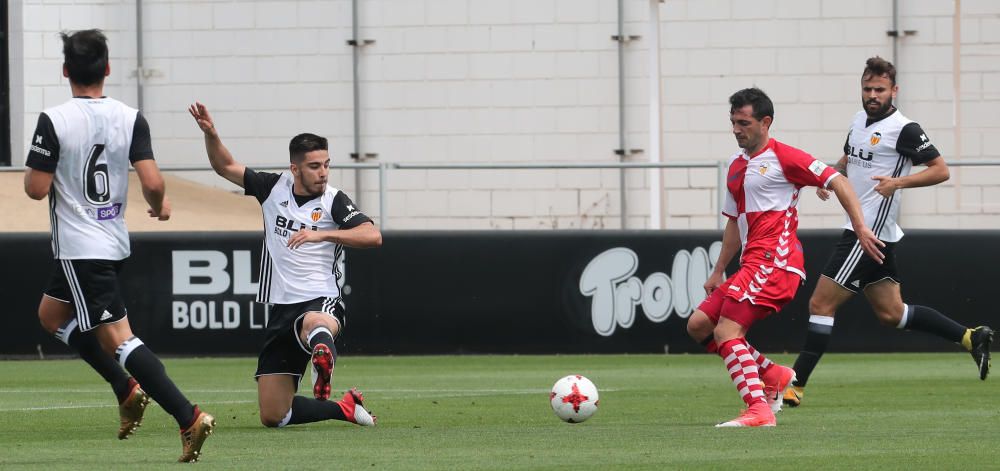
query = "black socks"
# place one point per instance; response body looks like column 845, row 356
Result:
column 817, row 338
column 89, row 349
column 149, row 371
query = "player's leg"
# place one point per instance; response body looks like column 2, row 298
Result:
column 102, row 309
column 730, row 336
column 318, row 330
column 58, row 316
column 195, row 425
column 280, row 407
column 823, row 304
column 840, row 280
column 701, row 323
column 887, row 302
column 280, row 367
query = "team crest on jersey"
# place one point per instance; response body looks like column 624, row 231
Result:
column 762, row 169
column 875, row 138
column 316, row 214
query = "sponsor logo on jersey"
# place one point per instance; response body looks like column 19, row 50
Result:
column 875, row 138
column 285, row 226
column 109, row 212
column 817, row 168
column 40, row 150
column 316, row 214
column 44, row 152
column 284, row 204
column 926, row 143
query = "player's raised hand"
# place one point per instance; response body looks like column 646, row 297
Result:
column 869, row 243
column 201, row 116
column 164, row 213
column 886, row 185
column 303, row 236
column 823, row 193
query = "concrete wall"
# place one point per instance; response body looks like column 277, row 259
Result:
column 532, row 81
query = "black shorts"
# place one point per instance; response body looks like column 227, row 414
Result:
column 851, row 268
column 91, row 286
column 283, row 352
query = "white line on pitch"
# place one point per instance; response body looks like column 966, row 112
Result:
column 410, row 394
column 249, row 391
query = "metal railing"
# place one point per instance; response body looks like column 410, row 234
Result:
column 384, row 169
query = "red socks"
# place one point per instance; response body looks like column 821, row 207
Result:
column 738, row 356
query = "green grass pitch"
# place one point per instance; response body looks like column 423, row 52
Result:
column 892, row 411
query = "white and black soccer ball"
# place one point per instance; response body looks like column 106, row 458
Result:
column 574, row 398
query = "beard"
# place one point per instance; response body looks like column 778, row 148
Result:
column 880, row 111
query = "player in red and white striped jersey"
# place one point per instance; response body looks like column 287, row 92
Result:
column 763, row 185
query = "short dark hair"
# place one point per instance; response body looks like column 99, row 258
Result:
column 754, row 97
column 303, row 144
column 879, row 67
column 85, row 55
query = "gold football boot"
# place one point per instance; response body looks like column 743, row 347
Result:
column 193, row 437
column 130, row 411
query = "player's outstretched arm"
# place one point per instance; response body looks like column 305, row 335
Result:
column 849, row 200
column 218, row 155
column 362, row 236
column 154, row 190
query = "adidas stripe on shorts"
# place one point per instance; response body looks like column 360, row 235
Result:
column 851, row 268
column 91, row 286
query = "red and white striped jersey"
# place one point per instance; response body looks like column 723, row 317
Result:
column 762, row 198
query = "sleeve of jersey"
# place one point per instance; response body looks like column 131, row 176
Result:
column 914, row 144
column 259, row 184
column 345, row 213
column 44, row 151
column 729, row 208
column 142, row 143
column 804, row 170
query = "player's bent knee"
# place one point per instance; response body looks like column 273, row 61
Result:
column 272, row 419
column 699, row 326
column 888, row 318
column 313, row 320
column 269, row 422
column 821, row 307
column 48, row 324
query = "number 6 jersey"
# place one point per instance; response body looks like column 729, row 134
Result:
column 88, row 144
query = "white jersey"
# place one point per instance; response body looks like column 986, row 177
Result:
column 886, row 147
column 312, row 270
column 88, row 144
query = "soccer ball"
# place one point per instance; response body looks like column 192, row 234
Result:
column 574, row 398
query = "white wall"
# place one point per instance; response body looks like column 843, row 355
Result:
column 535, row 81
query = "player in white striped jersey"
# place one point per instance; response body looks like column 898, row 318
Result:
column 79, row 157
column 307, row 224
column 881, row 148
